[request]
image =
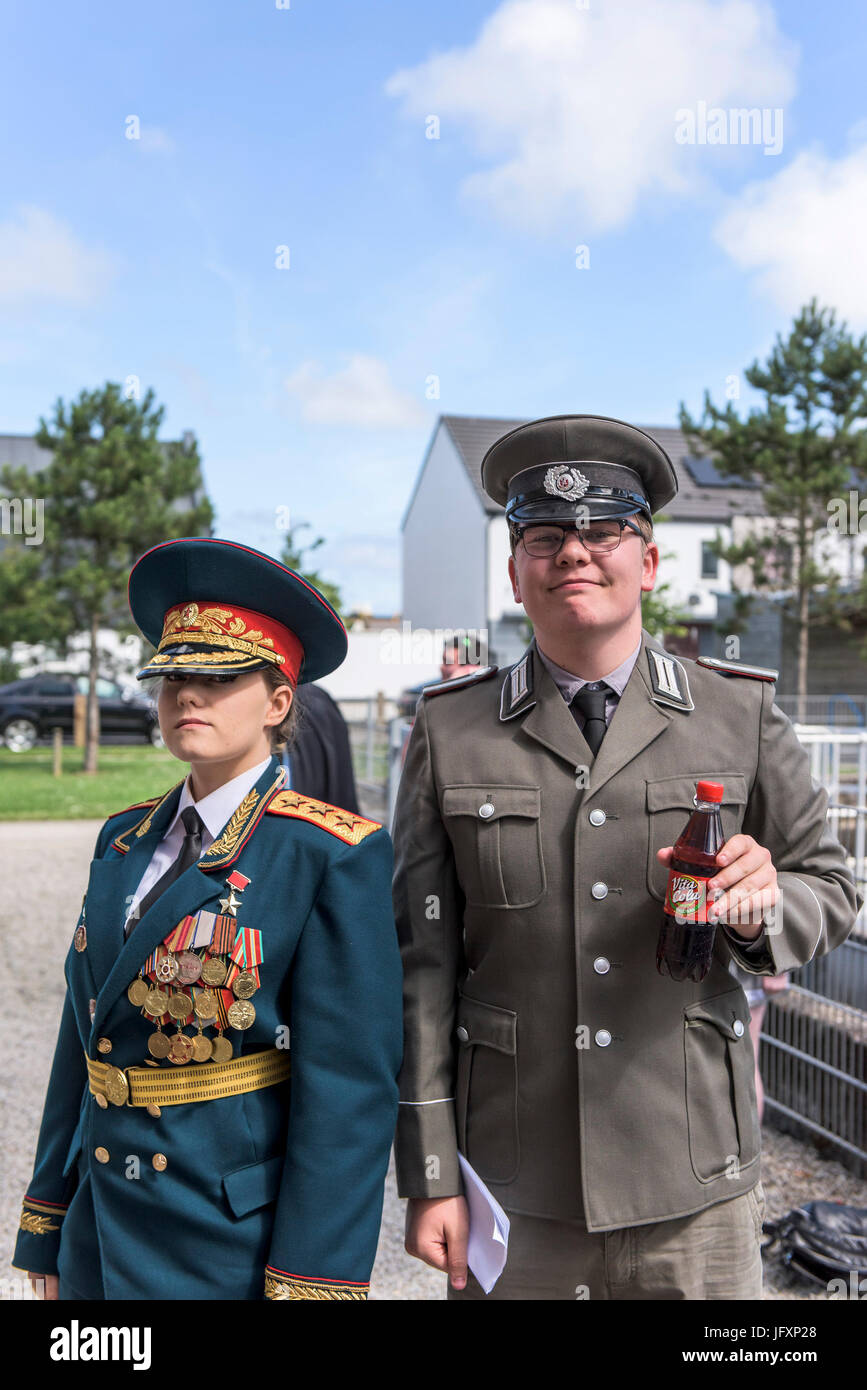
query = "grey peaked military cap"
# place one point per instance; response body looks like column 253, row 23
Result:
column 552, row 469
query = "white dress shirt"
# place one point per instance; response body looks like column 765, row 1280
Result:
column 215, row 810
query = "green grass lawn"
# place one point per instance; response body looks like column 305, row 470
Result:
column 126, row 775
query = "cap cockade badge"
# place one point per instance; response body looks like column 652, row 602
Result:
column 568, row 483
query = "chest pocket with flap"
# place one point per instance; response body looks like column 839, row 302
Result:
column 497, row 838
column 669, row 806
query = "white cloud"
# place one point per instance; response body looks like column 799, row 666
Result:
column 154, row 140
column 575, row 109
column 41, row 258
column 801, row 233
column 361, row 393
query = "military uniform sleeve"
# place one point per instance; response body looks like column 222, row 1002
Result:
column 345, row 1041
column 429, row 906
column 787, row 814
column 50, row 1190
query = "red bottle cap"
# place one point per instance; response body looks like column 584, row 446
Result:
column 709, row 791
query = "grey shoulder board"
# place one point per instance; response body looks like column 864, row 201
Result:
column 484, row 673
column 737, row 668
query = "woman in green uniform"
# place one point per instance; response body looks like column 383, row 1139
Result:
column 223, row 1094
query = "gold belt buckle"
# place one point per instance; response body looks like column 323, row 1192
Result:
column 116, row 1085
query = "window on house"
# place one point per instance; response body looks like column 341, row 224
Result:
column 709, row 562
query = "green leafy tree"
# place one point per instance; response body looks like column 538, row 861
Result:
column 293, row 555
column 111, row 491
column 803, row 447
column 659, row 615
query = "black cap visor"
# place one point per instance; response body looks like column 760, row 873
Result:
column 597, row 504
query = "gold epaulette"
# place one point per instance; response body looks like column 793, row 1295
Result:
column 285, row 1287
column 344, row 824
column 136, row 806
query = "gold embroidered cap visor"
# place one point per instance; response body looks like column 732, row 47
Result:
column 570, row 466
column 215, row 607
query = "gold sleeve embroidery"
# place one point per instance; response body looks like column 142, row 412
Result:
column 290, row 1288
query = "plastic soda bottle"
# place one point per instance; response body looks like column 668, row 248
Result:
column 685, row 946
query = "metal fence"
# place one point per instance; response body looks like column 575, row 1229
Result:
column 369, row 720
column 813, row 1060
column 837, row 711
column 813, row 1046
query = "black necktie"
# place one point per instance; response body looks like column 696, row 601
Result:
column 590, row 701
column 190, row 852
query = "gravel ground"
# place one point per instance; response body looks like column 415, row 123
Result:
column 44, row 869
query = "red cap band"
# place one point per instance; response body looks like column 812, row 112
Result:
column 239, row 630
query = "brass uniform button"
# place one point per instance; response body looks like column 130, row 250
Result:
column 101, row 1155
column 154, row 1110
column 104, row 1045
column 101, row 1100
column 160, row 1162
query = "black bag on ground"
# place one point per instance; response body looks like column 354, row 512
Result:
column 822, row 1240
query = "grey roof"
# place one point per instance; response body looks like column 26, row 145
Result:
column 22, row 451
column 696, row 500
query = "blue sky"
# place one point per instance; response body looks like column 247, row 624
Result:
column 411, row 258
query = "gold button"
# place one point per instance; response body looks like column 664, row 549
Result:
column 104, row 1045
column 160, row 1162
column 154, row 1110
column 101, row 1100
column 101, row 1155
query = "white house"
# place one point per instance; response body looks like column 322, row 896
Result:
column 456, row 542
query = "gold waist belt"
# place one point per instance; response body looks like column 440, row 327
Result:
column 209, row 1081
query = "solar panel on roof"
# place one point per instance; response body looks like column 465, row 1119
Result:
column 704, row 472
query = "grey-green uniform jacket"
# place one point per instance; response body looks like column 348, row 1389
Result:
column 539, row 1038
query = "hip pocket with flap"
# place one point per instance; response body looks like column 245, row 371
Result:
column 720, row 1086
column 486, row 1099
column 253, row 1186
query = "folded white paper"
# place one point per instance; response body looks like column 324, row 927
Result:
column 488, row 1243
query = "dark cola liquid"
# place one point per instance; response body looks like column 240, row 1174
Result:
column 685, row 946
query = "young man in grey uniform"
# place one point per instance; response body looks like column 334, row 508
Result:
column 609, row 1109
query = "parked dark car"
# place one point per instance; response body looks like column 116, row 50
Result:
column 31, row 708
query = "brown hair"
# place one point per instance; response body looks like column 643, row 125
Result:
column 281, row 735
column 644, row 524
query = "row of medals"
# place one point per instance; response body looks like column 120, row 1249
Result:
column 187, row 968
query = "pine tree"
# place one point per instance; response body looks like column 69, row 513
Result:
column 803, row 448
column 293, row 555
column 112, row 490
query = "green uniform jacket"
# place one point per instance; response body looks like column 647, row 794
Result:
column 539, row 1038
column 284, row 1182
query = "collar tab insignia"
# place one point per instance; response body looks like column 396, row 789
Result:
column 668, row 681
column 517, row 690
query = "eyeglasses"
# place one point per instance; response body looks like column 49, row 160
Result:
column 598, row 537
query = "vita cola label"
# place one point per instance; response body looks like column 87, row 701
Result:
column 686, row 897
